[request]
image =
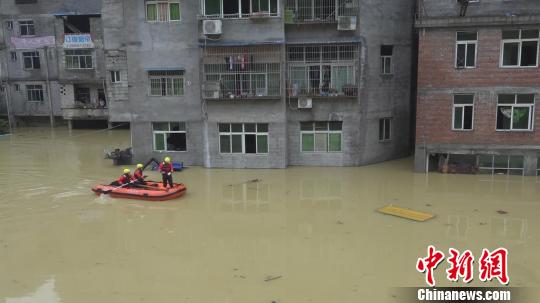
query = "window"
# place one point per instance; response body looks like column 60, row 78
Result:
column 323, row 70
column 462, row 115
column 519, row 48
column 81, row 94
column 115, row 76
column 9, row 24
column 385, row 126
column 31, row 60
column 166, row 83
column 515, row 112
column 13, row 56
column 386, row 59
column 239, row 8
column 466, row 49
column 319, row 11
column 243, row 138
column 26, row 28
column 169, row 136
column 162, row 11
column 17, row 88
column 321, row 136
column 34, row 93
column 78, row 59
column 501, row 164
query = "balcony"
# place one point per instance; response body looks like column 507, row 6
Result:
column 323, row 71
column 89, row 112
column 239, row 9
column 243, row 72
column 319, row 11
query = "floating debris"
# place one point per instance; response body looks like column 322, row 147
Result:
column 502, row 212
column 271, row 278
column 405, row 213
column 428, row 205
column 246, row 182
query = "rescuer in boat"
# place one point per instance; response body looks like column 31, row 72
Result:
column 138, row 176
column 166, row 170
column 124, row 179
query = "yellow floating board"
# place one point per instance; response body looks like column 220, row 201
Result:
column 405, row 213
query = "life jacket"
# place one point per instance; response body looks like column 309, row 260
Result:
column 138, row 175
column 165, row 168
column 125, row 178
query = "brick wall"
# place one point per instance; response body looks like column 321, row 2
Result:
column 438, row 80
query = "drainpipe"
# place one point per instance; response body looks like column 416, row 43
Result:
column 51, row 113
column 7, row 95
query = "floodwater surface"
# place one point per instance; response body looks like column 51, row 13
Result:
column 302, row 234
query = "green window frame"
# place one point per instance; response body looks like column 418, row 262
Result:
column 321, row 136
column 162, row 11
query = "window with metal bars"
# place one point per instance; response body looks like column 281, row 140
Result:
column 242, row 72
column 239, row 8
column 319, row 11
column 322, row 70
column 166, row 83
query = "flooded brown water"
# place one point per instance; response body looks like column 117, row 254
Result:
column 314, row 230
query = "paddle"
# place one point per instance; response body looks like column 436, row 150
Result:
column 110, row 190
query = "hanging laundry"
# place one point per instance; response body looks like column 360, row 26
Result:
column 231, row 63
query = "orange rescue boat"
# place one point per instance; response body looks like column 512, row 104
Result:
column 152, row 191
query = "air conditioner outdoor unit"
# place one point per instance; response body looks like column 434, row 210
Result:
column 304, row 102
column 211, row 90
column 346, row 23
column 212, row 27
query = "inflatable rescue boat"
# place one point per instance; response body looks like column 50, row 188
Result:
column 152, row 191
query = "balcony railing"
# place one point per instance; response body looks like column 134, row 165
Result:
column 319, row 11
column 239, row 9
column 242, row 72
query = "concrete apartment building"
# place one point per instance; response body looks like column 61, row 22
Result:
column 261, row 84
column 478, row 86
column 52, row 60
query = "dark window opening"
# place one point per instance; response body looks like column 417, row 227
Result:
column 176, row 141
column 102, row 101
column 251, row 144
column 82, row 94
column 230, row 7
column 76, row 24
column 245, row 7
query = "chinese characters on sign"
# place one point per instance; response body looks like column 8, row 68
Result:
column 491, row 265
column 78, row 41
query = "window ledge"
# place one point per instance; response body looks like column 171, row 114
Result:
column 517, row 67
column 514, row 130
column 385, row 141
column 464, row 68
column 170, row 151
column 463, row 130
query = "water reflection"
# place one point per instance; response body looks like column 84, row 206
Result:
column 45, row 293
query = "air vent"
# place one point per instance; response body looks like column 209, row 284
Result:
column 346, row 23
column 212, row 27
column 305, row 102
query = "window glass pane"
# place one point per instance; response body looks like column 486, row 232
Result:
column 174, row 126
column 175, row 11
column 506, row 99
column 520, row 118
column 307, row 142
column 306, row 126
column 512, row 34
column 387, row 128
column 334, row 142
column 458, row 117
column 510, row 54
column 460, row 57
column 163, row 9
column 250, row 144
column 386, row 50
column 468, row 117
column 381, row 129
column 249, row 127
column 516, row 161
column 262, row 144
column 335, row 125
column 176, row 141
column 212, row 7
column 529, row 53
column 321, row 126
column 161, row 126
column 485, row 161
column 236, row 143
column 262, row 127
column 151, row 12
column 525, row 98
column 500, row 161
column 321, row 142
column 463, row 99
column 471, row 55
column 225, row 144
column 224, row 127
column 529, row 34
column 159, row 139
column 504, row 114
column 236, row 127
column 466, row 36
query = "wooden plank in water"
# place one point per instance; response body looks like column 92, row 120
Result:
column 405, row 213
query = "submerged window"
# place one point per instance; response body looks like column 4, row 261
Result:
column 26, row 28
column 385, row 129
column 386, row 59
column 162, row 11
column 515, row 112
column 34, row 93
column 169, row 136
column 520, row 48
column 78, row 59
column 321, row 136
column 31, row 60
column 501, row 164
column 166, row 83
column 462, row 115
column 246, row 138
column 466, row 49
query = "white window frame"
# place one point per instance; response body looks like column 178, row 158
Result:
column 32, row 56
column 115, row 76
column 240, row 15
column 462, row 106
column 516, row 105
column 327, row 132
column 520, row 42
column 35, row 89
column 165, row 132
column 13, row 56
column 79, row 56
column 28, row 23
column 157, row 3
column 494, row 168
column 169, row 89
column 242, row 134
column 466, row 43
column 385, row 130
